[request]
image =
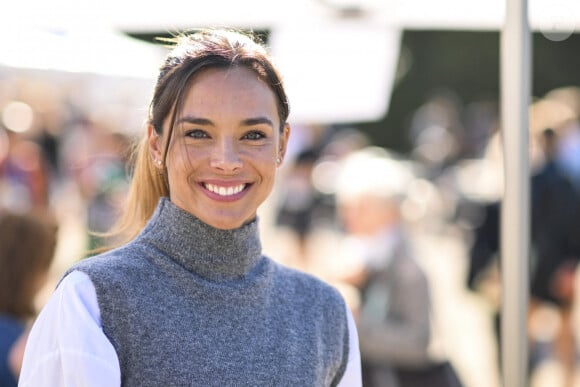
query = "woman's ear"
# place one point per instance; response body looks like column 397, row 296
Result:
column 155, row 145
column 283, row 143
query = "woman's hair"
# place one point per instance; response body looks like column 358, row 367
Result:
column 27, row 247
column 191, row 53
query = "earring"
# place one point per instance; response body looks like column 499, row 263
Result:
column 278, row 160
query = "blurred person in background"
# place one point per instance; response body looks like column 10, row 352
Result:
column 566, row 122
column 187, row 297
column 306, row 210
column 437, row 133
column 97, row 157
column 555, row 250
column 103, row 183
column 395, row 309
column 299, row 201
column 106, row 187
column 27, row 246
column 24, row 176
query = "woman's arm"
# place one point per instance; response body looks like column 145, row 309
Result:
column 67, row 346
column 352, row 375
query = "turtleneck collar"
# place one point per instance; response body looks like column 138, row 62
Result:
column 212, row 253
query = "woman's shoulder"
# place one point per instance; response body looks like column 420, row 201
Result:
column 120, row 260
column 307, row 286
column 289, row 273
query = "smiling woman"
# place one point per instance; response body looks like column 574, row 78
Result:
column 187, row 297
column 221, row 167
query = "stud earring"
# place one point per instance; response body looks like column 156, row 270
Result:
column 278, row 160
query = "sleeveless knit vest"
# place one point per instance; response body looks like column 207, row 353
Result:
column 185, row 304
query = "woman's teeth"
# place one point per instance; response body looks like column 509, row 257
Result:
column 225, row 191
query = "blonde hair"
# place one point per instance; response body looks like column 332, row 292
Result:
column 148, row 185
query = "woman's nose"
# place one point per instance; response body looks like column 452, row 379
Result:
column 225, row 156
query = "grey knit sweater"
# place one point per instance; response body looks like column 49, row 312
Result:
column 185, row 304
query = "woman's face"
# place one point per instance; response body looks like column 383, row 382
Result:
column 222, row 158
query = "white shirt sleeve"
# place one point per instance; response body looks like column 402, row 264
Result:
column 67, row 346
column 352, row 376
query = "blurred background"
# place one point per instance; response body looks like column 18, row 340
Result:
column 418, row 79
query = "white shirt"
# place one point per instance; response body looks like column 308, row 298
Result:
column 67, row 345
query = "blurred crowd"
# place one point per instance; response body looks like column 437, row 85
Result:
column 63, row 174
column 351, row 208
column 411, row 240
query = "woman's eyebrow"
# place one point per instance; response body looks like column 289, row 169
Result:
column 257, row 121
column 194, row 120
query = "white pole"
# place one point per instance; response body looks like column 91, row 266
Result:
column 515, row 99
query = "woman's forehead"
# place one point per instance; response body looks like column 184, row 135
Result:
column 216, row 79
column 236, row 91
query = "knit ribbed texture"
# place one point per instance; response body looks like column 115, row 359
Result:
column 186, row 304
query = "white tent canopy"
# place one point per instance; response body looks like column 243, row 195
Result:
column 94, row 51
column 171, row 15
column 339, row 66
column 323, row 72
column 337, row 71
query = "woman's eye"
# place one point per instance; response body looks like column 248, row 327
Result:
column 197, row 133
column 254, row 135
